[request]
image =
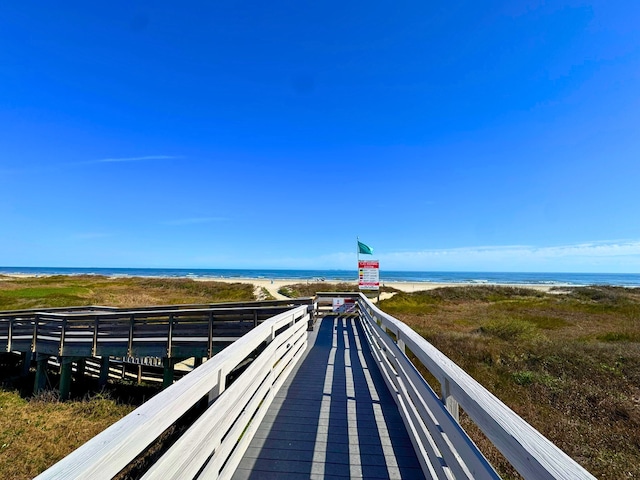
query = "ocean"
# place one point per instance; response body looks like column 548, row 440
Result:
column 619, row 279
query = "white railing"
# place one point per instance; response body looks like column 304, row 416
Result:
column 432, row 421
column 214, row 444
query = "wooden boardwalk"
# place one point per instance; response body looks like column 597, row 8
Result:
column 351, row 406
column 334, row 418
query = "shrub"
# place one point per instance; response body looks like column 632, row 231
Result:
column 508, row 329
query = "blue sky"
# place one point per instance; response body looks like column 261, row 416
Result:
column 501, row 136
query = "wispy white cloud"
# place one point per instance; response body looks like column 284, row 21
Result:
column 40, row 169
column 588, row 249
column 134, row 159
column 89, row 235
column 588, row 256
column 608, row 256
column 193, row 221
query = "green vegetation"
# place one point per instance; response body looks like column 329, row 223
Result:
column 310, row 289
column 35, row 433
column 38, row 432
column 567, row 361
column 64, row 291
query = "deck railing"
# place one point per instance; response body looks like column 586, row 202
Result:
column 260, row 361
column 530, row 453
column 214, row 444
column 171, row 331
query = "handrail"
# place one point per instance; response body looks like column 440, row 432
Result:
column 90, row 309
column 530, row 453
column 213, row 445
column 223, row 430
column 75, row 331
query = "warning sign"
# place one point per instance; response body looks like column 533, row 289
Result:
column 344, row 305
column 369, row 275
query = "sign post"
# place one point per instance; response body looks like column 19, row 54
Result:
column 368, row 270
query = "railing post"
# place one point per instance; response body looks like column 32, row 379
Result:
column 219, row 388
column 10, row 334
column 34, row 340
column 210, row 340
column 170, row 335
column 450, row 403
column 400, row 343
column 62, row 336
column 94, row 349
column 130, row 348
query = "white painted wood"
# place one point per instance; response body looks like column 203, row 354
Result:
column 109, row 452
column 441, row 433
column 449, row 401
column 531, row 454
column 231, row 413
column 221, row 435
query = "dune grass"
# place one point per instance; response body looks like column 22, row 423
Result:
column 568, row 363
column 37, row 432
column 310, row 289
column 64, row 291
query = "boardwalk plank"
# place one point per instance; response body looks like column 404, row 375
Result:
column 334, row 418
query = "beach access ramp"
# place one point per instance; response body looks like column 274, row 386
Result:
column 311, row 394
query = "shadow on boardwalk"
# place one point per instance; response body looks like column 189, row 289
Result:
column 334, row 418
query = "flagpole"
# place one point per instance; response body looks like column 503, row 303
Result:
column 358, row 256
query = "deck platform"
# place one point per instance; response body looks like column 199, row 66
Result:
column 334, row 418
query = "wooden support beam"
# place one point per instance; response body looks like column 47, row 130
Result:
column 81, row 365
column 40, row 382
column 197, row 361
column 104, row 371
column 65, row 377
column 26, row 363
column 168, row 375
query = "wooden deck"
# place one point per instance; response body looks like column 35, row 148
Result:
column 334, row 418
column 352, row 406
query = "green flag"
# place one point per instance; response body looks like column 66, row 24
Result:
column 362, row 248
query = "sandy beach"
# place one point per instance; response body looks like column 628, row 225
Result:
column 273, row 285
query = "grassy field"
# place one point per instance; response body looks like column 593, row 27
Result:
column 568, row 363
column 64, row 291
column 310, row 289
column 37, row 432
